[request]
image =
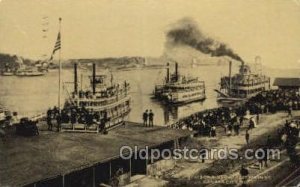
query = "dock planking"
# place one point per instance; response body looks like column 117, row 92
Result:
column 28, row 159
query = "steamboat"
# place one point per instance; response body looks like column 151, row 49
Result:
column 242, row 85
column 178, row 89
column 107, row 100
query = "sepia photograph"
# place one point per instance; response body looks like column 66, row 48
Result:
column 149, row 93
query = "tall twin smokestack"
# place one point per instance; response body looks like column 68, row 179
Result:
column 186, row 32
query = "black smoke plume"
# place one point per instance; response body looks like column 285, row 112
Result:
column 186, row 32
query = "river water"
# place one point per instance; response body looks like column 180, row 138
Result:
column 32, row 95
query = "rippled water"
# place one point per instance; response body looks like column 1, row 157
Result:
column 32, row 95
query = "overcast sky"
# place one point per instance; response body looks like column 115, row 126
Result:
column 103, row 28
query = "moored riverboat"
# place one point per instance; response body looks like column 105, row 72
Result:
column 106, row 102
column 242, row 85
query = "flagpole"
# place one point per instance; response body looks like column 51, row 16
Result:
column 59, row 71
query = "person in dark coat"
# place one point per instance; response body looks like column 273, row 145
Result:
column 247, row 137
column 265, row 158
column 230, row 127
column 151, row 118
column 203, row 153
column 257, row 118
column 73, row 117
column 251, row 124
column 145, row 118
column 213, row 131
column 49, row 118
column 244, row 174
column 58, row 119
column 290, row 111
column 269, row 142
column 241, row 120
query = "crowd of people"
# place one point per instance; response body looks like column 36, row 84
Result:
column 73, row 115
column 288, row 136
column 232, row 118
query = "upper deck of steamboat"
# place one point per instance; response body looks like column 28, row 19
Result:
column 246, row 80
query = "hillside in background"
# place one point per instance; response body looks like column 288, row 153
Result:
column 12, row 61
column 114, row 63
column 184, row 55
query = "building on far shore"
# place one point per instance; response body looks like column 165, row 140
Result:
column 287, row 83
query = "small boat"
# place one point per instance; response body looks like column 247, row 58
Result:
column 7, row 73
column 178, row 89
column 29, row 72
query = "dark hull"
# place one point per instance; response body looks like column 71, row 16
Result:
column 166, row 101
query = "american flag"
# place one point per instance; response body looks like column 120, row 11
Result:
column 57, row 45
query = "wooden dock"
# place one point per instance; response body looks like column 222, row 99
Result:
column 28, row 160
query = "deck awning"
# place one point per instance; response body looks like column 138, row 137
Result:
column 287, row 82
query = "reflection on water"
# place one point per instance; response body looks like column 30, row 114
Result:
column 32, row 95
column 172, row 113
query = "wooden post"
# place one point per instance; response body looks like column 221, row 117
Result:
column 94, row 78
column 130, row 167
column 94, row 177
column 63, row 180
column 146, row 161
column 75, row 79
column 110, row 169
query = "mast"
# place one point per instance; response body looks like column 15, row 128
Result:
column 94, row 78
column 59, row 71
column 168, row 73
column 75, row 79
column 176, row 71
column 81, row 80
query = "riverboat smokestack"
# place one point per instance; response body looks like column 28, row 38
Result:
column 168, row 73
column 75, row 79
column 230, row 66
column 94, row 78
column 242, row 67
column 176, row 71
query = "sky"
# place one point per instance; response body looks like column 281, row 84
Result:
column 114, row 28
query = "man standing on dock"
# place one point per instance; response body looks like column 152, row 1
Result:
column 58, row 120
column 145, row 118
column 49, row 118
column 151, row 117
column 247, row 137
